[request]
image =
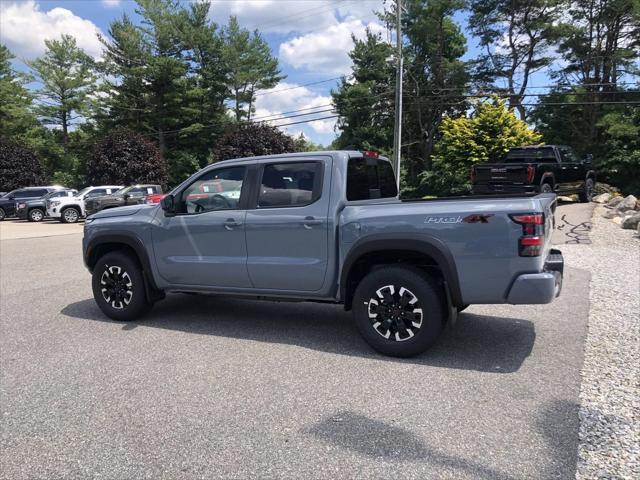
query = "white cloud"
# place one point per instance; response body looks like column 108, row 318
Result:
column 278, row 100
column 111, row 3
column 24, row 28
column 287, row 16
column 327, row 51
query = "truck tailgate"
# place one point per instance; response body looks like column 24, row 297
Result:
column 499, row 173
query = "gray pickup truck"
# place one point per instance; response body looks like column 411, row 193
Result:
column 326, row 227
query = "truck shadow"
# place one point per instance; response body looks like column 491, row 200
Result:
column 477, row 342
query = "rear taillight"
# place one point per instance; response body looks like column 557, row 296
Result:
column 531, row 244
column 473, row 174
column 531, row 172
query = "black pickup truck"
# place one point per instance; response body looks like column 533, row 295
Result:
column 539, row 168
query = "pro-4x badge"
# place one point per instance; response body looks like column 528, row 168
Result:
column 443, row 219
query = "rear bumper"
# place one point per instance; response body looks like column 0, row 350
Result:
column 539, row 288
column 497, row 188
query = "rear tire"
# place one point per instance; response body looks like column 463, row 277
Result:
column 399, row 310
column 69, row 215
column 586, row 193
column 546, row 188
column 35, row 215
column 118, row 287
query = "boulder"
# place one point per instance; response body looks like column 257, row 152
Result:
column 617, row 220
column 614, row 202
column 631, row 222
column 629, row 203
column 602, row 198
column 611, row 214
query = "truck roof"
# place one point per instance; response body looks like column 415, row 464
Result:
column 344, row 154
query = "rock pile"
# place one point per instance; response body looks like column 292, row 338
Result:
column 625, row 211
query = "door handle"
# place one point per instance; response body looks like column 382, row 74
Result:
column 309, row 222
column 230, row 223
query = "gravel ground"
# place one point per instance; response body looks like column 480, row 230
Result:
column 609, row 402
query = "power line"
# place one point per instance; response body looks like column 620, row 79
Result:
column 269, row 92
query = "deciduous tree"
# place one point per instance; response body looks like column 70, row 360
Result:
column 125, row 157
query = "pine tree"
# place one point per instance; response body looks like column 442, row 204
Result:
column 66, row 74
column 251, row 67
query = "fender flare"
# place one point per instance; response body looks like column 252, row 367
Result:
column 547, row 175
column 420, row 243
column 125, row 239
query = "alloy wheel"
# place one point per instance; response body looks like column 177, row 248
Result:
column 36, row 215
column 395, row 313
column 71, row 215
column 116, row 287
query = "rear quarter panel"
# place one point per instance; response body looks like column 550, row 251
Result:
column 486, row 254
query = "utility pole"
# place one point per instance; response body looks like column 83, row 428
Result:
column 397, row 129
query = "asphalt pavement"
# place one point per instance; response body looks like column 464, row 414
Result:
column 209, row 387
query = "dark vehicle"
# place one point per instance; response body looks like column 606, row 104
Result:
column 540, row 168
column 133, row 195
column 36, row 210
column 9, row 200
column 326, row 227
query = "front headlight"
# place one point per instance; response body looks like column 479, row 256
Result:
column 22, row 205
column 54, row 203
column 87, row 221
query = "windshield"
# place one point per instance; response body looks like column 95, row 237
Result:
column 530, row 155
column 83, row 191
column 122, row 191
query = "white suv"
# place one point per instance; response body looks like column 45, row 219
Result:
column 70, row 209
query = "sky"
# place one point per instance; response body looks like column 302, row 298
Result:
column 311, row 38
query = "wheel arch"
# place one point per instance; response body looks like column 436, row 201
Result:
column 419, row 250
column 548, row 177
column 103, row 244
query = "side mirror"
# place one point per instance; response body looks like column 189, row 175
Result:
column 168, row 204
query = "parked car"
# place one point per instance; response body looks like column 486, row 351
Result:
column 539, row 168
column 132, row 195
column 36, row 210
column 71, row 209
column 327, row 227
column 8, row 201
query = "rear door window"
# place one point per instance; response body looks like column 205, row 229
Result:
column 290, row 184
column 370, row 178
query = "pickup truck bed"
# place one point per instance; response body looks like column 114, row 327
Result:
column 329, row 227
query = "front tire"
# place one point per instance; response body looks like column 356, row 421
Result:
column 399, row 310
column 36, row 215
column 118, row 287
column 586, row 193
column 69, row 215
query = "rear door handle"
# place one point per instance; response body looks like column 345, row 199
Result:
column 309, row 222
column 230, row 223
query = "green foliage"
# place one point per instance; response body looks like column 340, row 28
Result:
column 66, row 74
column 251, row 67
column 181, row 166
column 365, row 103
column 516, row 37
column 248, row 140
column 485, row 136
column 19, row 166
column 125, row 157
column 435, row 79
column 303, row 144
column 621, row 165
column 17, row 121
